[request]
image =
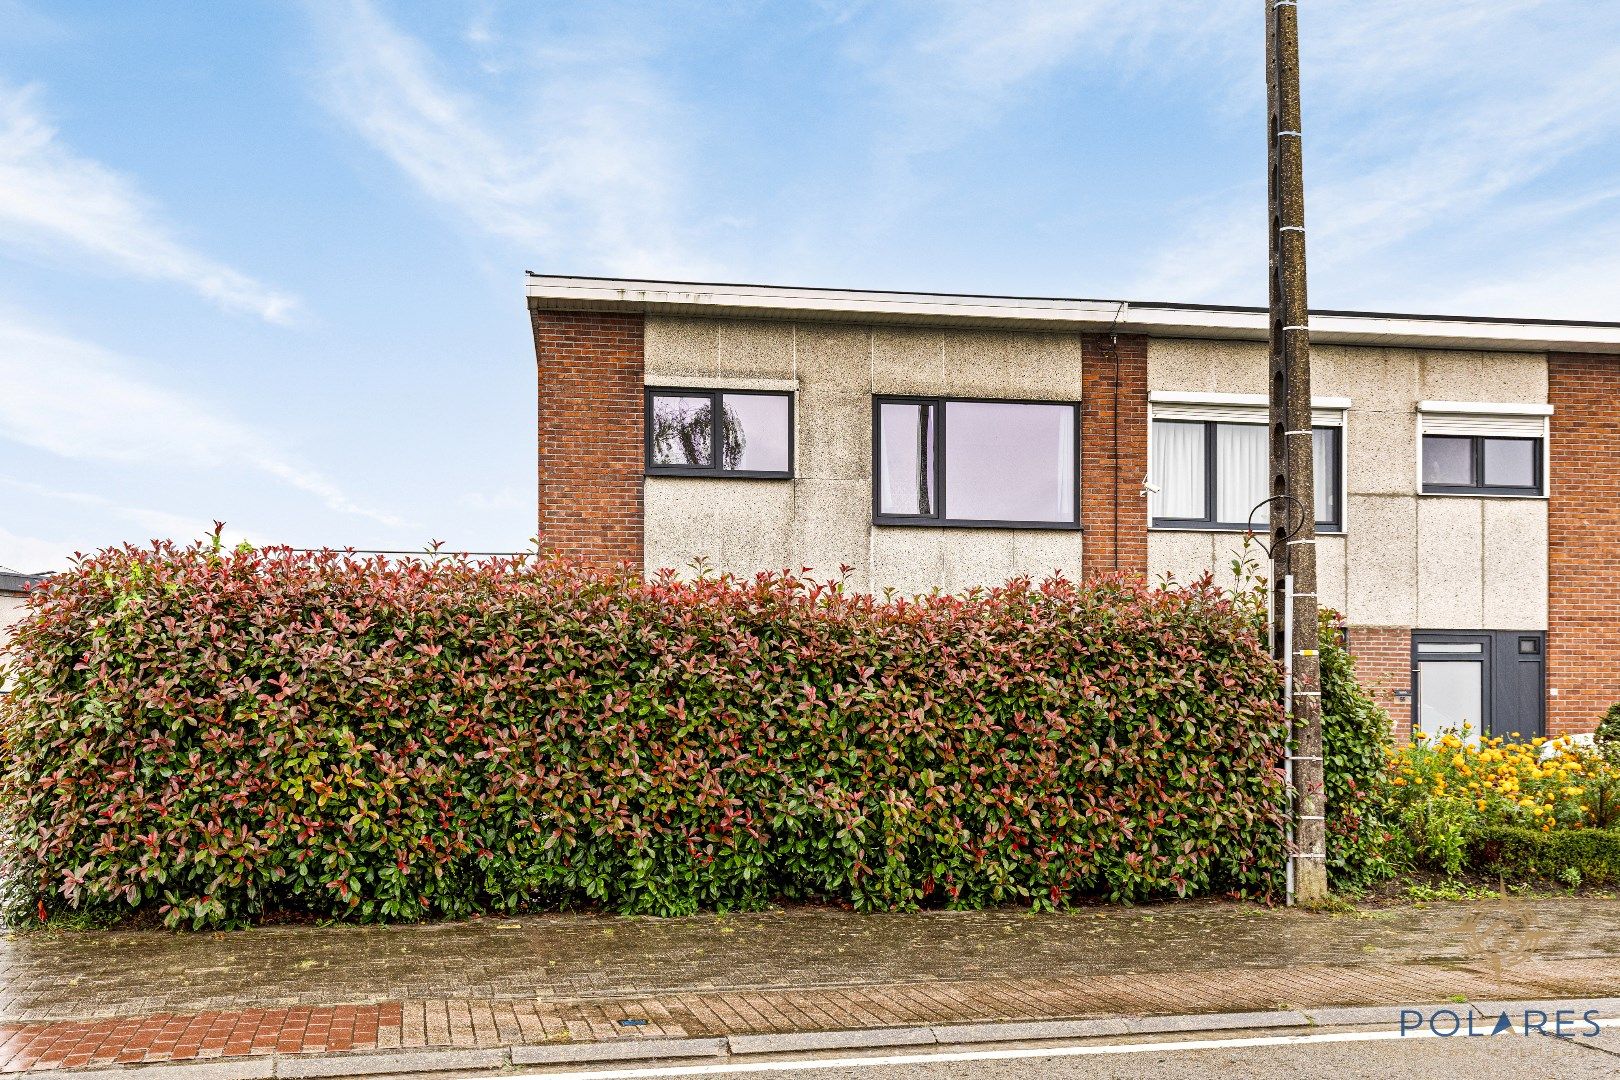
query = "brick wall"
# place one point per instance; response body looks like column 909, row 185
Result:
column 590, row 434
column 1583, row 534
column 1113, row 459
column 1383, row 656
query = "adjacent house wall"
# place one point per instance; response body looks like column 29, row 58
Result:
column 12, row 607
column 589, row 434
column 822, row 519
column 1405, row 561
column 1583, row 643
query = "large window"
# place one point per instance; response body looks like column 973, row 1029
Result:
column 975, row 463
column 1481, row 465
column 1210, row 474
column 746, row 433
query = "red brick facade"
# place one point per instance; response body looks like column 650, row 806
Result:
column 1113, row 453
column 590, row 441
column 1383, row 656
column 1583, row 534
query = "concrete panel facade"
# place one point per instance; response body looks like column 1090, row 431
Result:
column 822, row 519
column 1405, row 560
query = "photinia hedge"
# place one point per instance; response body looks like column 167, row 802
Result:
column 219, row 734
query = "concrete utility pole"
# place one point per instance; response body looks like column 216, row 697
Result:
column 1293, row 504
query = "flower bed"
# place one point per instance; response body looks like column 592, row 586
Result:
column 1471, row 804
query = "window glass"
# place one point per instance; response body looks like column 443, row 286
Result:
column 755, row 432
column 1009, row 462
column 1193, row 492
column 1325, row 462
column 906, row 466
column 682, row 432
column 1242, row 455
column 1448, row 460
column 1451, row 697
column 1510, row 462
column 1178, row 470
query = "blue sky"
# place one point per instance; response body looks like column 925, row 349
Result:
column 261, row 262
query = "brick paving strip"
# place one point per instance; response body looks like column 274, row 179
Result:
column 427, row 1003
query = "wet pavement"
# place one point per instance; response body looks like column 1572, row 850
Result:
column 72, row 974
column 69, row 998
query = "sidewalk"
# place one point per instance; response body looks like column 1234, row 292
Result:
column 577, row 987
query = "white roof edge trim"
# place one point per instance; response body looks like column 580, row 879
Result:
column 1192, row 397
column 1158, row 320
column 1484, row 408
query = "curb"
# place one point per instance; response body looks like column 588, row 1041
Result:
column 394, row 1062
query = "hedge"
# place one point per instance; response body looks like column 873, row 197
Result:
column 1521, row 854
column 220, row 734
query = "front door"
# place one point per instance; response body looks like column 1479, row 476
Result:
column 1484, row 682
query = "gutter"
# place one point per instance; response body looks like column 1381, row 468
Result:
column 1206, row 322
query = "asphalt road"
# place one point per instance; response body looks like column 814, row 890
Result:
column 1480, row 1059
column 1510, row 1056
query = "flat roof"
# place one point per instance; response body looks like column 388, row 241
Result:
column 557, row 292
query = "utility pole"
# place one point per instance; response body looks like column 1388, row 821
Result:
column 1293, row 504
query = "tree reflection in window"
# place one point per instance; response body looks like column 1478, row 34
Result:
column 683, row 433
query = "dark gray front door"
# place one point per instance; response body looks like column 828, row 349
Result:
column 1490, row 682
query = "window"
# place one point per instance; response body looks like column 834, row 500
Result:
column 1480, row 448
column 754, row 437
column 975, row 463
column 1211, row 474
column 1481, row 464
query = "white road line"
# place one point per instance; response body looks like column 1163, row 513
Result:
column 812, row 1064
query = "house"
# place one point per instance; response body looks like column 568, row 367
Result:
column 13, row 597
column 1468, row 469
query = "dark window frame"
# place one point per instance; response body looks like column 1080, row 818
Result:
column 714, row 470
column 1493, row 654
column 1260, row 524
column 1477, row 466
column 942, row 518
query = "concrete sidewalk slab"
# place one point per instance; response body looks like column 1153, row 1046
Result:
column 618, row 1050
column 803, row 1041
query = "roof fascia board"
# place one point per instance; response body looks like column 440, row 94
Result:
column 1157, row 320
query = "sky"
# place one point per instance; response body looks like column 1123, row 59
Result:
column 261, row 262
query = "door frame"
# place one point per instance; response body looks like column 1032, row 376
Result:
column 1498, row 660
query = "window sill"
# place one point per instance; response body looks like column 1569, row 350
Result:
column 711, row 474
column 1026, row 526
column 1481, row 495
column 1231, row 530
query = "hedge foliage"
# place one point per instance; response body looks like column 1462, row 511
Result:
column 1567, row 857
column 1356, row 747
column 221, row 734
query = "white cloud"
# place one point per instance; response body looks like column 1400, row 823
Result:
column 970, row 60
column 31, row 554
column 581, row 161
column 1425, row 125
column 81, row 402
column 53, row 199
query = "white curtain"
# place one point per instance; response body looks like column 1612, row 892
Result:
column 1178, row 470
column 1066, row 463
column 1242, row 453
column 1325, row 467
